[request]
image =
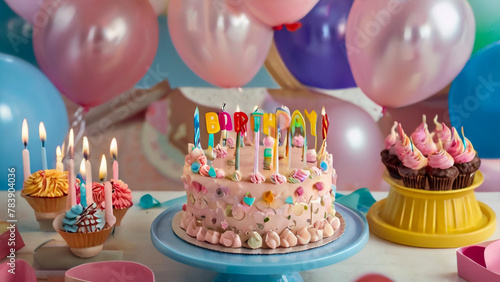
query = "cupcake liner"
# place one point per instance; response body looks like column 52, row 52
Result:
column 47, row 205
column 119, row 214
column 81, row 240
column 440, row 183
column 418, row 181
column 464, row 180
column 393, row 171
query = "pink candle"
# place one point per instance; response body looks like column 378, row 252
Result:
column 108, row 213
column 88, row 169
column 26, row 153
column 71, row 183
column 113, row 151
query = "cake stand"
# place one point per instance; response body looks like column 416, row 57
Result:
column 279, row 267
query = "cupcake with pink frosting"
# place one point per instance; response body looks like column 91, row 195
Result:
column 422, row 139
column 389, row 155
column 466, row 161
column 412, row 169
column 122, row 198
column 440, row 170
column 443, row 133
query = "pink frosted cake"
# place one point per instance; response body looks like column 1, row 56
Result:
column 263, row 210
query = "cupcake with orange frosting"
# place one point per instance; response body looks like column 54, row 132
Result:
column 122, row 198
column 422, row 139
column 412, row 169
column 389, row 155
column 440, row 170
column 466, row 161
column 46, row 191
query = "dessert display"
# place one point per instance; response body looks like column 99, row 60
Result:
column 252, row 196
column 437, row 161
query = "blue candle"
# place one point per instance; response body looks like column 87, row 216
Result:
column 83, row 195
column 43, row 137
column 197, row 143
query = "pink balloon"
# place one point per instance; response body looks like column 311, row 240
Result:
column 354, row 139
column 403, row 51
column 219, row 40
column 93, row 50
column 25, row 8
column 491, row 171
column 278, row 12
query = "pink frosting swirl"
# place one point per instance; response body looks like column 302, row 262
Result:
column 201, row 234
column 272, row 240
column 204, row 169
column 298, row 141
column 202, row 160
column 230, row 142
column 220, row 152
column 288, row 239
column 122, row 196
column 403, row 146
column 212, row 237
column 303, row 236
column 325, row 227
column 441, row 159
column 311, row 156
column 467, row 155
column 97, row 193
column 192, row 229
column 390, row 140
column 277, row 178
column 230, row 239
column 422, row 139
column 334, row 222
column 186, row 220
column 219, row 173
column 443, row 133
column 415, row 160
column 457, row 147
column 257, row 178
column 301, row 174
column 268, row 141
column 316, row 234
column 194, row 156
column 315, row 171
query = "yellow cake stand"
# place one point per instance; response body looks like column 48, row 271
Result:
column 432, row 219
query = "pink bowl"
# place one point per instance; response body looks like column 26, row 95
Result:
column 110, row 271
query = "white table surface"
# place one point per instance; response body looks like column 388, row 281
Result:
column 398, row 262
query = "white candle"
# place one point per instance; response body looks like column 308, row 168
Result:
column 71, row 189
column 43, row 138
column 59, row 164
column 88, row 169
column 83, row 170
column 26, row 153
column 113, row 150
column 108, row 197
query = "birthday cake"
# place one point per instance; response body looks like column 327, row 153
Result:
column 246, row 194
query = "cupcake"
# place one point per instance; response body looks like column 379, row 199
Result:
column 443, row 133
column 46, row 191
column 440, row 170
column 467, row 162
column 389, row 156
column 412, row 169
column 122, row 198
column 422, row 139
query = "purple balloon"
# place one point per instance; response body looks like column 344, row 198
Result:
column 316, row 53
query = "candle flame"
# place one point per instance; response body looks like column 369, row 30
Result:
column 83, row 170
column 42, row 133
column 103, row 169
column 25, row 134
column 237, row 108
column 71, row 143
column 223, row 107
column 323, row 112
column 255, row 109
column 86, row 150
column 58, row 152
column 113, row 150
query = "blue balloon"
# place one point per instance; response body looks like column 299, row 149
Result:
column 474, row 101
column 15, row 35
column 316, row 53
column 25, row 93
column 169, row 65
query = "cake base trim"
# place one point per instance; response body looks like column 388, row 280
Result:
column 181, row 233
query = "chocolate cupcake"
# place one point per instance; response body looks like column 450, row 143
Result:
column 467, row 162
column 440, row 170
column 412, row 169
column 389, row 156
column 423, row 139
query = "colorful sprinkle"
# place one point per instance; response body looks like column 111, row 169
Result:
column 289, row 200
column 248, row 200
column 319, row 186
column 195, row 167
column 184, row 207
column 323, row 166
column 211, row 172
column 224, row 224
column 266, row 219
column 268, row 197
column 299, row 191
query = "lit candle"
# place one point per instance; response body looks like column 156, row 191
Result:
column 313, row 118
column 26, row 153
column 256, row 129
column 103, row 169
column 282, row 122
column 326, row 123
column 108, row 198
column 83, row 186
column 43, row 138
column 298, row 121
column 88, row 168
column 240, row 118
column 59, row 157
column 197, row 143
column 83, row 172
column 113, row 150
column 71, row 184
column 225, row 124
column 212, row 122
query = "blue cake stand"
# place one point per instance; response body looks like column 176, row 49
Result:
column 279, row 267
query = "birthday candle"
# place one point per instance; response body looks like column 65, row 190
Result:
column 43, row 138
column 59, row 164
column 256, row 128
column 26, row 153
column 83, row 190
column 103, row 169
column 298, row 121
column 113, row 151
column 269, row 124
column 197, row 143
column 326, row 123
column 83, row 171
column 240, row 118
column 212, row 122
column 71, row 188
column 225, row 123
column 313, row 117
column 88, row 168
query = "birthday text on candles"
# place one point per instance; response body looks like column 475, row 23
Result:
column 11, row 212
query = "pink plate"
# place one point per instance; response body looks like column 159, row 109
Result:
column 17, row 271
column 110, row 271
